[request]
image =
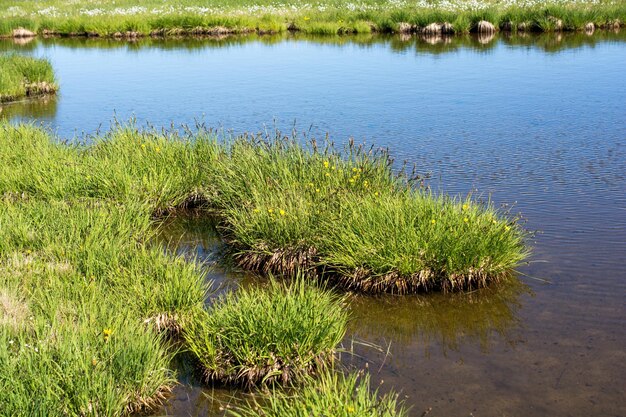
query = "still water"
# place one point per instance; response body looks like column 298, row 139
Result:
column 538, row 123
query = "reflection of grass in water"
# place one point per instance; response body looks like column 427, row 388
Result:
column 448, row 321
column 41, row 108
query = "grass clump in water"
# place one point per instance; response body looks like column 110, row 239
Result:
column 349, row 218
column 331, row 394
column 22, row 76
column 282, row 206
column 265, row 335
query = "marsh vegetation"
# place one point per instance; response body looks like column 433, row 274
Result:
column 23, row 76
column 88, row 305
column 328, row 17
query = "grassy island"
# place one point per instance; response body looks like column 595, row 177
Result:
column 23, row 76
column 131, row 19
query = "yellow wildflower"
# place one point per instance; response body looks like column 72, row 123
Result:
column 157, row 149
column 433, row 221
column 143, row 146
column 376, row 193
column 351, row 180
column 270, row 211
column 94, row 361
column 317, row 190
column 327, row 174
column 106, row 333
column 465, row 206
column 257, row 210
column 282, row 212
column 326, row 164
column 350, row 409
column 307, row 18
column 507, row 228
column 466, row 220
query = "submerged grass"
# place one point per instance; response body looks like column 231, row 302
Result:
column 332, row 394
column 23, row 76
column 269, row 334
column 129, row 18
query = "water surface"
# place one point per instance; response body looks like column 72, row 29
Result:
column 535, row 122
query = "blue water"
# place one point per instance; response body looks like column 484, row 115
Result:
column 539, row 123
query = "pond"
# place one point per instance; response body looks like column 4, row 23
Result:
column 535, row 122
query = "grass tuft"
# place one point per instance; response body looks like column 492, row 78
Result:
column 22, row 76
column 266, row 335
column 332, row 394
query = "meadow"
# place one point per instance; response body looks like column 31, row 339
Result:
column 23, row 76
column 126, row 18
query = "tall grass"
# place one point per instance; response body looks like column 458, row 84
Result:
column 192, row 17
column 22, row 76
column 90, row 291
column 269, row 334
column 345, row 216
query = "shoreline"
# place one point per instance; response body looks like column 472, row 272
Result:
column 332, row 20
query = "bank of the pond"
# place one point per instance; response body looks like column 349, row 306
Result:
column 22, row 76
column 329, row 17
column 284, row 207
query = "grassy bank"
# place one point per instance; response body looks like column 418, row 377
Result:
column 343, row 216
column 87, row 305
column 128, row 18
column 22, row 76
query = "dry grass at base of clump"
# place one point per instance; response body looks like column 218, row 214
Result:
column 281, row 261
column 262, row 336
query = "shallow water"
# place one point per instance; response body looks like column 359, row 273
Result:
column 535, row 121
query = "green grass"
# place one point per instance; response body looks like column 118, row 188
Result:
column 348, row 217
column 332, row 394
column 82, row 297
column 345, row 216
column 87, row 298
column 22, row 76
column 192, row 17
column 269, row 334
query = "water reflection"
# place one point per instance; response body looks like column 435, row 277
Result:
column 41, row 109
column 423, row 43
column 441, row 321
